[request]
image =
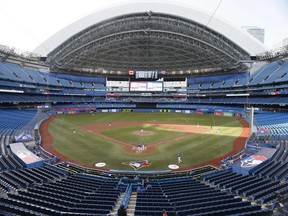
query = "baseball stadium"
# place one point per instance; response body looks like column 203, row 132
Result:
column 145, row 109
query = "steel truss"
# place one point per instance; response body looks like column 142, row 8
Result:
column 147, row 41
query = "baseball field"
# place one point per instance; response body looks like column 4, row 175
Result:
column 116, row 138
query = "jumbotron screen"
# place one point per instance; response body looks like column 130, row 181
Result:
column 152, row 75
column 146, row 75
column 143, row 86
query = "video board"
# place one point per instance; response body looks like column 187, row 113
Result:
column 145, row 86
column 152, row 75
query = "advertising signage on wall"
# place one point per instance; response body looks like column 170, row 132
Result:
column 227, row 114
column 72, row 108
column 237, row 114
column 218, row 113
column 127, row 110
column 199, row 112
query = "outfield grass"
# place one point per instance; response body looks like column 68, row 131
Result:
column 89, row 149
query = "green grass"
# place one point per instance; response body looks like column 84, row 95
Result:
column 89, row 149
column 126, row 134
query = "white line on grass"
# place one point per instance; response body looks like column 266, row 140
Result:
column 80, row 134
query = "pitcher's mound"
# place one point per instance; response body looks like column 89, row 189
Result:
column 143, row 133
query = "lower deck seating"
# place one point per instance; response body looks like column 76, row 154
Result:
column 77, row 194
column 255, row 188
column 187, row 196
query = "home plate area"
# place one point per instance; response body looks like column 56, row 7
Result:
column 139, row 148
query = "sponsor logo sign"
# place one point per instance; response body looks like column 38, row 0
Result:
column 136, row 165
column 252, row 161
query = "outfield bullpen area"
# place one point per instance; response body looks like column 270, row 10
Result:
column 202, row 139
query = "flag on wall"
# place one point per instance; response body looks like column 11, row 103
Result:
column 131, row 72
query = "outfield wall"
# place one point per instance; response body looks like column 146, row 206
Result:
column 203, row 111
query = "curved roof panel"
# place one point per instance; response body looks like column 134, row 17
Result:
column 146, row 36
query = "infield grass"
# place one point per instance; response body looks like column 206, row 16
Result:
column 127, row 134
column 88, row 148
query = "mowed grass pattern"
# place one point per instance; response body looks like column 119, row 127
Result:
column 127, row 135
column 87, row 148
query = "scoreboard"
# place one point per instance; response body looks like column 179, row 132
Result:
column 144, row 74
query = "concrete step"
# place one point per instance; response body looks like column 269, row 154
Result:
column 132, row 202
column 130, row 211
column 116, row 207
column 133, row 198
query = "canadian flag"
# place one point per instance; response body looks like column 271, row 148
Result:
column 131, row 72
